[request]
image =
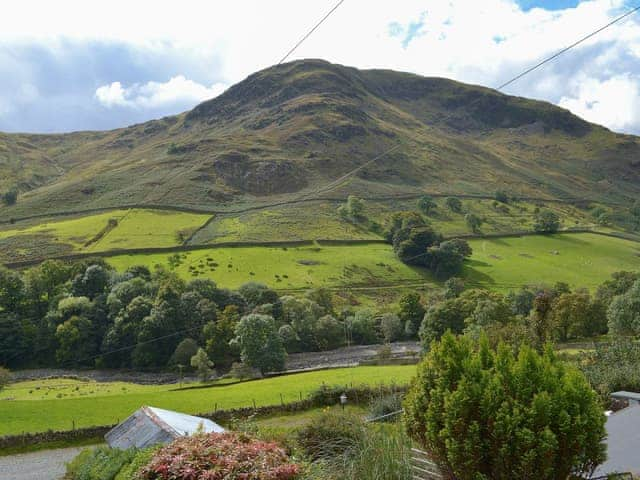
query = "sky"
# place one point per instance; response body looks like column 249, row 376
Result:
column 87, row 65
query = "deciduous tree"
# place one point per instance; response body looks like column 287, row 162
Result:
column 426, row 204
column 624, row 312
column 454, row 204
column 329, row 333
column 474, row 222
column 546, row 222
column 260, row 345
column 411, row 313
column 5, row 377
column 203, row 366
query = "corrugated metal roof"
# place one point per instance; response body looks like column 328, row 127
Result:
column 149, row 426
column 626, row 395
column 184, row 424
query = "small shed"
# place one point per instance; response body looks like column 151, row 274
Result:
column 150, row 426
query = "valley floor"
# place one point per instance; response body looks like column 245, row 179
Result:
column 92, row 406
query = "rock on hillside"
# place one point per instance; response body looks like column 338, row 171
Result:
column 292, row 128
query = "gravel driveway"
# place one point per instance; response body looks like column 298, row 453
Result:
column 43, row 465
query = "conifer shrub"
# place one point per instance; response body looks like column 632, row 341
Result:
column 493, row 414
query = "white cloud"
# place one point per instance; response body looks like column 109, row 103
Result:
column 111, row 95
column 483, row 42
column 614, row 102
column 151, row 95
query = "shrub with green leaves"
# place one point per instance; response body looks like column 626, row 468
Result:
column 331, row 434
column 546, row 221
column 385, row 405
column 613, row 366
column 101, row 463
column 454, row 204
column 491, row 414
column 141, row 458
column 5, row 377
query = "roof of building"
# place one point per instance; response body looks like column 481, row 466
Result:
column 149, row 426
column 626, row 395
column 623, row 442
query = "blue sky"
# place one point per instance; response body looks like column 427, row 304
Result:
column 548, row 5
column 88, row 65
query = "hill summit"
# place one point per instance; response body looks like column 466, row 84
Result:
column 292, row 128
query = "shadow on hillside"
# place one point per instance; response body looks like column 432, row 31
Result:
column 474, row 277
column 569, row 238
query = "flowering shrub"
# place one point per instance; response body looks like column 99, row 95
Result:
column 220, row 456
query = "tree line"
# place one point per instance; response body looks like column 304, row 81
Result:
column 87, row 314
column 536, row 315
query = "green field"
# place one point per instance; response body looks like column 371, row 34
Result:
column 102, row 408
column 150, row 228
column 311, row 221
column 580, row 259
column 65, row 388
column 288, row 267
column 73, row 231
column 319, row 220
column 135, row 228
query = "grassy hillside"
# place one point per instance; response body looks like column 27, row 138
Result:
column 288, row 130
column 319, row 220
column 115, row 229
column 144, row 228
column 287, row 267
column 582, row 260
column 103, row 409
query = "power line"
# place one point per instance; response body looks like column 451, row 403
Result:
column 566, row 49
column 336, row 183
column 293, row 49
column 330, row 186
column 308, row 34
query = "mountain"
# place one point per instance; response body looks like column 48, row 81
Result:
column 288, row 130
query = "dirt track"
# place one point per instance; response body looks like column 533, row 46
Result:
column 44, row 465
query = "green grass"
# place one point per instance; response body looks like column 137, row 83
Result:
column 582, row 260
column 292, row 421
column 513, row 217
column 69, row 388
column 288, row 268
column 289, row 222
column 97, row 409
column 320, row 220
column 136, row 228
column 150, row 228
column 73, row 231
